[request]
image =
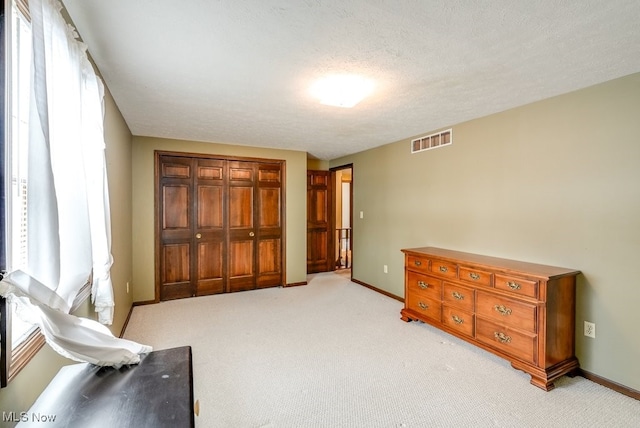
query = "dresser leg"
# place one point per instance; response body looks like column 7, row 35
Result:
column 542, row 383
column 544, row 379
column 573, row 373
column 407, row 317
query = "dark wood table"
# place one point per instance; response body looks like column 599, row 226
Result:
column 158, row 392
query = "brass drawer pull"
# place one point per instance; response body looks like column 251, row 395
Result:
column 443, row 269
column 423, row 306
column 474, row 276
column 418, row 263
column 423, row 285
column 513, row 285
column 457, row 319
column 457, row 295
column 502, row 310
column 502, row 338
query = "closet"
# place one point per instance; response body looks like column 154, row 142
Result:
column 219, row 224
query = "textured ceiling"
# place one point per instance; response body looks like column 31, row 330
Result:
column 238, row 71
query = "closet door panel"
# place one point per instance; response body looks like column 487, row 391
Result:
column 176, row 213
column 209, row 233
column 241, row 265
column 269, row 208
column 176, row 275
column 210, row 205
column 176, row 227
column 269, row 225
column 210, row 268
column 220, row 225
column 270, row 263
column 242, row 181
column 241, row 207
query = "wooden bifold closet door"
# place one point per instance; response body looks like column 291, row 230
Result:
column 219, row 225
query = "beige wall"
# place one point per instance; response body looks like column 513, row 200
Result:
column 555, row 182
column 20, row 394
column 118, row 156
column 143, row 205
column 317, row 165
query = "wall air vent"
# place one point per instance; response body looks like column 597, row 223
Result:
column 433, row 141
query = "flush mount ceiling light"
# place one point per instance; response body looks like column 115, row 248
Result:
column 342, row 90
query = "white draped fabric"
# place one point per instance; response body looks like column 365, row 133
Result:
column 77, row 338
column 69, row 234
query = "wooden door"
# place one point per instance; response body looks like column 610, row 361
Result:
column 269, row 225
column 209, row 263
column 219, row 224
column 319, row 236
column 176, row 227
column 242, row 240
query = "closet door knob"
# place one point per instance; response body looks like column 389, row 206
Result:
column 251, row 234
column 198, row 235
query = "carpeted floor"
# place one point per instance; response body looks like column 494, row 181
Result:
column 336, row 354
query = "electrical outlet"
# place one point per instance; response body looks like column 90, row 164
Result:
column 590, row 329
column 385, row 269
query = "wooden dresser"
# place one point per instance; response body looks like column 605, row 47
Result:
column 520, row 311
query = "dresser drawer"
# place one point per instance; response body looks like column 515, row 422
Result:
column 425, row 285
column 525, row 287
column 444, row 269
column 457, row 319
column 506, row 311
column 424, row 306
column 519, row 344
column 459, row 296
column 419, row 264
column 475, row 276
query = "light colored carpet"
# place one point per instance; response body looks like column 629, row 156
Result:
column 336, row 354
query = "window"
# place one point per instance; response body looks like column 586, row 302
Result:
column 17, row 244
column 21, row 340
column 4, row 361
column 64, row 176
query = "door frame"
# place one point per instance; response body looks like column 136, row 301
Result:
column 333, row 210
column 157, row 207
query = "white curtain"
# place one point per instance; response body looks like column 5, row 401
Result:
column 77, row 338
column 69, row 232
